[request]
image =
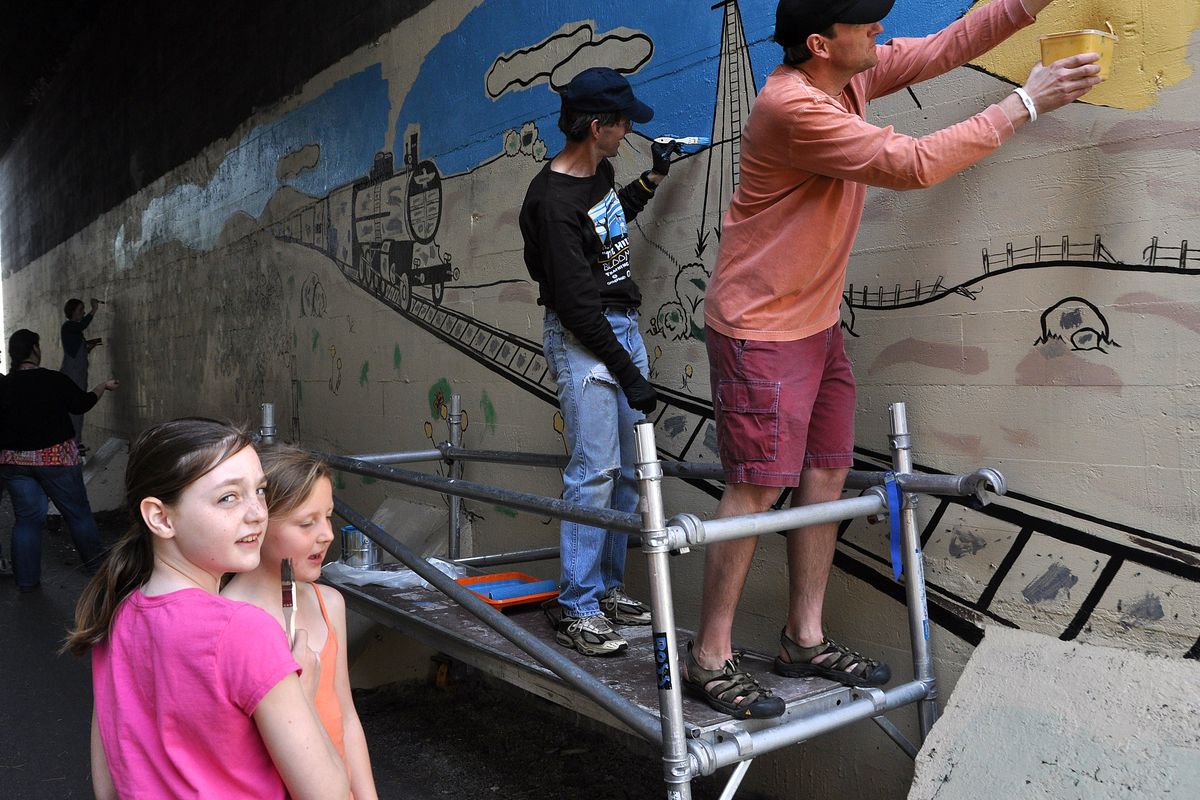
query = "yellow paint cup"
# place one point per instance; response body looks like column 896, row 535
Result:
column 1058, row 46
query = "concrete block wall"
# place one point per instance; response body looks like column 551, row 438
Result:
column 1037, row 313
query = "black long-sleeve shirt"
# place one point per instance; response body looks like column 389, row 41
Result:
column 72, row 334
column 577, row 249
column 34, row 408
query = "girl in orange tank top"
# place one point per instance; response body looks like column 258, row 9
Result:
column 299, row 505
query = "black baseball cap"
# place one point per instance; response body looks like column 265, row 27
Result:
column 603, row 91
column 796, row 20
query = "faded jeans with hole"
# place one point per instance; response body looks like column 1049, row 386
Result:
column 598, row 432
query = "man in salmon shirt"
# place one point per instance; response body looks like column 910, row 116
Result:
column 782, row 387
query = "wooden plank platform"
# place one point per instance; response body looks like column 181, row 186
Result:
column 438, row 622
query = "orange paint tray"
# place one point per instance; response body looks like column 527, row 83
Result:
column 510, row 588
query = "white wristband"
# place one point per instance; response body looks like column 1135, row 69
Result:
column 1028, row 101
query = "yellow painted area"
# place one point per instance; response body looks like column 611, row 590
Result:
column 1151, row 55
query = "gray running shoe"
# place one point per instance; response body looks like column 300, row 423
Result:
column 623, row 609
column 592, row 636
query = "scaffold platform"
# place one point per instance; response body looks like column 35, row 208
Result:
column 641, row 690
column 439, row 623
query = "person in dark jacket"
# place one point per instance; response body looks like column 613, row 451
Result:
column 39, row 457
column 574, row 224
column 75, row 352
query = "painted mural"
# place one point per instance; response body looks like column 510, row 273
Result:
column 393, row 231
column 1035, row 312
column 354, row 256
column 1013, row 335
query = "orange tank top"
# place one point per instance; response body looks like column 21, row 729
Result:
column 329, row 708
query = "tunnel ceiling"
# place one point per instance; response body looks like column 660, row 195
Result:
column 99, row 98
column 36, row 38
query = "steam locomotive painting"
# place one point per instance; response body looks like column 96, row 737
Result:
column 381, row 229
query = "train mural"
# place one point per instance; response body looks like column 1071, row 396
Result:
column 381, row 230
column 1024, row 561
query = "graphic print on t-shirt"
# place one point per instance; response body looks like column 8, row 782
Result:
column 609, row 219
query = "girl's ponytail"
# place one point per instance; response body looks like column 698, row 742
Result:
column 126, row 567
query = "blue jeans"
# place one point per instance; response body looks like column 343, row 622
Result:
column 598, row 430
column 29, row 487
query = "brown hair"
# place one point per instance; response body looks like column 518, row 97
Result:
column 291, row 474
column 163, row 461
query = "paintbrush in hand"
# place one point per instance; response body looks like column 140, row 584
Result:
column 287, row 582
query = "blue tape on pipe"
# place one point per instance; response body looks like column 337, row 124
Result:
column 662, row 662
column 894, row 505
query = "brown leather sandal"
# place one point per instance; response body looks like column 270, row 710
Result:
column 730, row 689
column 836, row 663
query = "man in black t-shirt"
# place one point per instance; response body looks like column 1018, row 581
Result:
column 574, row 223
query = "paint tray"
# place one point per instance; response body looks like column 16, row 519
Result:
column 505, row 589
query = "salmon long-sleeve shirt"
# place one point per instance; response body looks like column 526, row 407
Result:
column 807, row 159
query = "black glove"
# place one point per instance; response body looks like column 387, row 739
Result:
column 641, row 395
column 662, row 152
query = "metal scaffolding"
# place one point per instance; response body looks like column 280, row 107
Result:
column 691, row 746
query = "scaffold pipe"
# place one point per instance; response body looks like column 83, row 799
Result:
column 403, row 457
column 641, row 722
column 688, row 530
column 454, row 420
column 708, row 757
column 515, row 557
column 601, row 518
column 977, row 483
column 676, row 469
column 914, row 566
column 676, row 763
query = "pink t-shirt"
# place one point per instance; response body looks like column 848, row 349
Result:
column 807, row 159
column 175, row 685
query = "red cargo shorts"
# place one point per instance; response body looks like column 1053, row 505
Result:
column 781, row 406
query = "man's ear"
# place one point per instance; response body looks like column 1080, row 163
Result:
column 594, row 127
column 818, row 45
column 157, row 518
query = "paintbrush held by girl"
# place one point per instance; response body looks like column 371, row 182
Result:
column 197, row 695
column 300, row 504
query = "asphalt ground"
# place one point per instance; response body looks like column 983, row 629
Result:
column 472, row 738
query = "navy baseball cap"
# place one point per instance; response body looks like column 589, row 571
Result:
column 796, row 20
column 602, row 90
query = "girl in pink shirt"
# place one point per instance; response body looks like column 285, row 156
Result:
column 300, row 504
column 197, row 696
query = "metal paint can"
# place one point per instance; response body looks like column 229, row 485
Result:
column 358, row 550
